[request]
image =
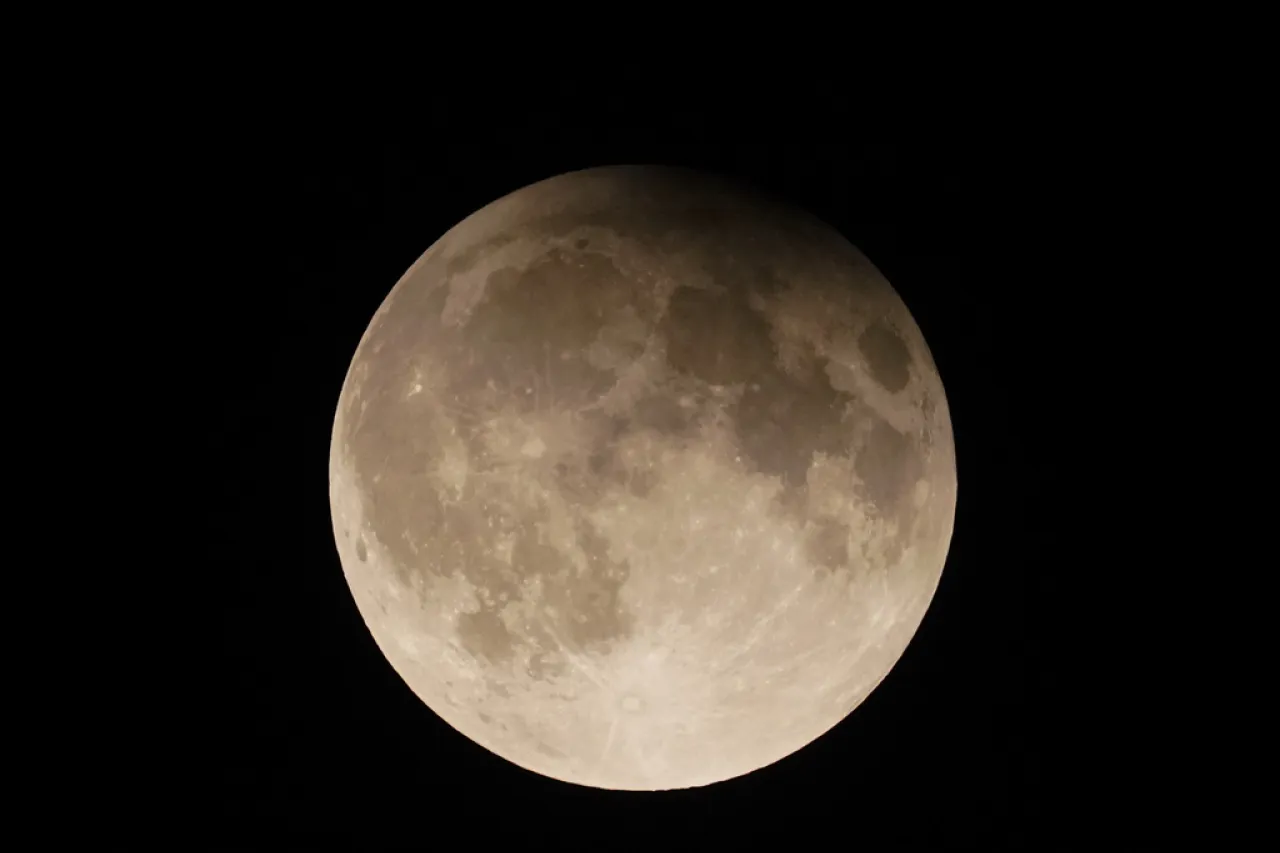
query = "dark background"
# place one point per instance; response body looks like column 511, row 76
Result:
column 311, row 731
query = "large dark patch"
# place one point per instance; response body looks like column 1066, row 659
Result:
column 781, row 421
column 715, row 336
column 485, row 635
column 887, row 356
column 888, row 463
column 515, row 337
column 662, row 414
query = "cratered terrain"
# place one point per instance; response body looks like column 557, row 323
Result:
column 642, row 480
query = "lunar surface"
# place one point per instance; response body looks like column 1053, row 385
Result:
column 641, row 480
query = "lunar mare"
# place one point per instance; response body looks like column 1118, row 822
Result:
column 641, row 480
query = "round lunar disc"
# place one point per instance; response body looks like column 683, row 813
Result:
column 642, row 480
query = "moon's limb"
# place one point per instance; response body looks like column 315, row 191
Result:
column 642, row 482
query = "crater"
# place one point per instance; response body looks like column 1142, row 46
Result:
column 362, row 553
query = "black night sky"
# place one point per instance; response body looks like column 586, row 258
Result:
column 312, row 732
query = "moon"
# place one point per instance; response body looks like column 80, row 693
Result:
column 641, row 479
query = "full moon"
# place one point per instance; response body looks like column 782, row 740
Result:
column 641, row 479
